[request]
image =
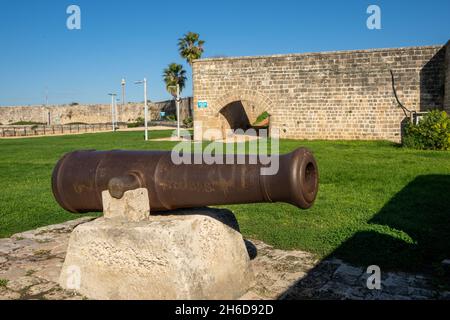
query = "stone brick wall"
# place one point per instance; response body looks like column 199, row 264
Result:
column 331, row 95
column 447, row 78
column 99, row 113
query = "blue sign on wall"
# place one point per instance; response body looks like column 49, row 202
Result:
column 202, row 104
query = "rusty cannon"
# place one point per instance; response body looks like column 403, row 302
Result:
column 80, row 177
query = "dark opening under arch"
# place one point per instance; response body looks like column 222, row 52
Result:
column 236, row 116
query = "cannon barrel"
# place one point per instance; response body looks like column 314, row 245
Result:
column 80, row 177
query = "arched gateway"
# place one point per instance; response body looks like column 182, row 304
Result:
column 238, row 109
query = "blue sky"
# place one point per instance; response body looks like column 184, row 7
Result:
column 136, row 39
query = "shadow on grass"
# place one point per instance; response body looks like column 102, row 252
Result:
column 422, row 211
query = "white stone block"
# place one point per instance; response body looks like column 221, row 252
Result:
column 133, row 206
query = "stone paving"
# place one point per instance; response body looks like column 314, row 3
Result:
column 30, row 263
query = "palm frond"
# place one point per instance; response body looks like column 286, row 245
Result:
column 190, row 47
column 174, row 74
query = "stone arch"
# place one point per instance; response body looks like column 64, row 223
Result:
column 240, row 108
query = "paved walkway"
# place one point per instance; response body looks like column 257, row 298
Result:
column 30, row 263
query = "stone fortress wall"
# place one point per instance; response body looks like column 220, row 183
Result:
column 97, row 113
column 447, row 79
column 329, row 95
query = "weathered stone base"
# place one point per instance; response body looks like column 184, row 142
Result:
column 199, row 255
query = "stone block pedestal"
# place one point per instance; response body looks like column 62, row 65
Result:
column 193, row 254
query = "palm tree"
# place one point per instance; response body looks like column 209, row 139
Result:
column 172, row 75
column 190, row 47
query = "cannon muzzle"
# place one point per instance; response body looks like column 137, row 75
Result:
column 80, row 177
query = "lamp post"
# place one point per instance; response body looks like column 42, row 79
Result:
column 113, row 95
column 144, row 82
column 178, row 110
column 177, row 103
column 116, row 114
column 123, row 83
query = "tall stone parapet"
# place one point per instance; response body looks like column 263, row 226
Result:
column 91, row 113
column 447, row 78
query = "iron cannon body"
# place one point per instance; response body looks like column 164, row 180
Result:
column 80, row 177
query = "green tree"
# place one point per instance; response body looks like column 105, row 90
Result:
column 172, row 75
column 190, row 47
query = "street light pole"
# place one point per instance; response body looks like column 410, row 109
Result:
column 116, row 113
column 113, row 95
column 177, row 104
column 123, row 83
column 145, row 106
column 178, row 110
column 146, row 109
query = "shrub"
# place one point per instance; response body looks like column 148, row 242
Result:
column 171, row 117
column 188, row 122
column 139, row 122
column 27, row 123
column 3, row 282
column 76, row 123
column 431, row 133
column 263, row 116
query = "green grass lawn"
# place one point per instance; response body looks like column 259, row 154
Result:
column 377, row 203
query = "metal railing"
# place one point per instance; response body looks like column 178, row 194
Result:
column 44, row 130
